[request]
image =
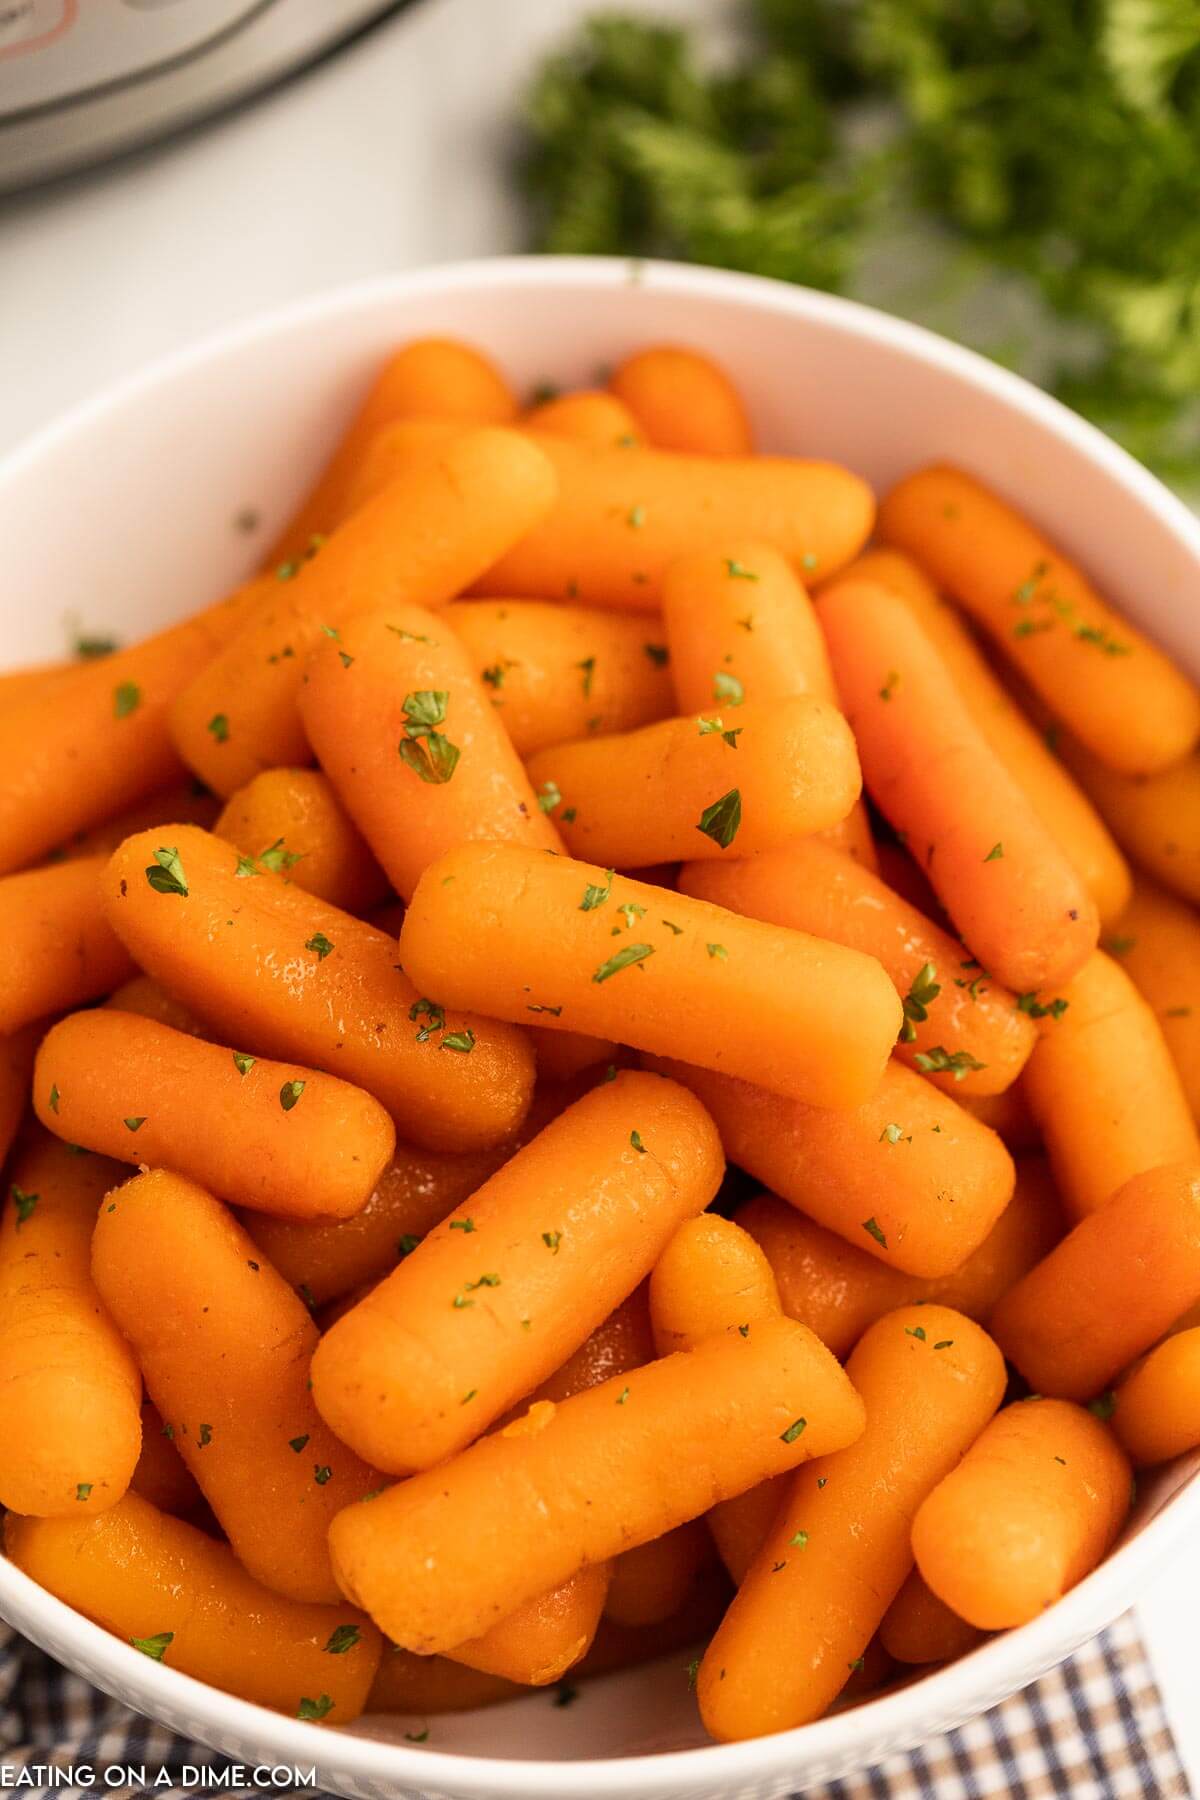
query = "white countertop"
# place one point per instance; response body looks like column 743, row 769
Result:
column 389, row 156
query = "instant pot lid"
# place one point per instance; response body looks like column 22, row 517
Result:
column 82, row 80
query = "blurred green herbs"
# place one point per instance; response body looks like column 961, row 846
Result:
column 1023, row 174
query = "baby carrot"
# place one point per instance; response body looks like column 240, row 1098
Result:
column 919, row 1628
column 1057, row 799
column 839, row 1552
column 651, row 1583
column 17, row 1051
column 440, row 1557
column 1104, row 1090
column 741, row 627
column 683, row 400
column 187, row 802
column 69, row 1387
column 1106, row 681
column 726, row 783
column 59, row 948
column 563, row 1055
column 1157, row 942
column 295, row 978
column 625, row 514
column 1019, row 905
column 838, row 1290
column 416, row 543
column 273, row 1136
column 161, row 1475
column 98, row 741
column 590, row 415
column 293, row 818
column 1030, row 1510
column 1077, row 1319
column 412, row 744
column 179, row 1596
column 428, row 378
column 38, row 678
column 543, row 1638
column 1153, row 816
column 426, row 1686
column 532, row 937
column 491, row 1302
column 1008, row 1115
column 962, row 1029
column 1157, row 1406
column 622, row 1341
column 224, row 1346
column 908, row 1176
column 559, row 672
column 142, row 996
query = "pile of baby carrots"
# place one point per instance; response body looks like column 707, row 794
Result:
column 399, row 950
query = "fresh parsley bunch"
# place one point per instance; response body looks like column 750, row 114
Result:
column 1022, row 173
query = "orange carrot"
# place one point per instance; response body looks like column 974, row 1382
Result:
column 1157, row 1406
column 426, row 1686
column 838, row 1290
column 1077, row 1319
column 1018, row 903
column 1115, row 689
column 919, row 1628
column 1157, row 942
column 1057, row 799
column 37, row 678
column 531, row 937
column 440, row 1557
column 295, row 978
column 622, row 1341
column 624, row 515
column 908, row 1176
column 180, row 1597
column 60, row 950
column 142, row 996
column 728, row 782
column 540, row 1641
column 651, row 1583
column 953, row 1010
column 224, row 1346
column 1154, row 817
column 1008, row 1115
column 69, row 1388
column 563, row 1055
column 558, row 672
column 683, row 400
column 161, row 1475
column 1104, row 1090
column 416, row 543
column 430, row 377
column 188, row 802
column 588, row 414
column 492, row 1301
column 292, row 818
column 273, row 1136
column 1030, row 1510
column 408, row 737
column 17, row 1051
column 839, row 1552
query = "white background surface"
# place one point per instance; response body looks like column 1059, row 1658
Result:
column 390, row 156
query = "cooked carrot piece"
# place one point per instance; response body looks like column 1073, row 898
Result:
column 683, row 400
column 412, row 744
column 429, row 378
column 573, row 947
column 224, row 1346
column 187, row 802
column 908, row 1176
column 417, row 542
column 919, row 1628
column 59, row 949
column 17, row 1051
column 590, row 415
column 491, row 1302
column 294, row 818
column 625, row 514
column 181, row 1597
column 1077, row 1319
column 676, row 789
column 142, row 996
column 69, row 1388
column 1157, row 942
column 954, row 1011
column 1115, row 689
column 1030, row 1510
column 295, row 978
column 559, row 672
column 1008, row 1115
column 425, row 1686
column 1157, row 1406
column 839, row 1552
column 1104, row 1090
column 651, row 1583
column 1017, row 902
column 538, row 1642
column 273, row 1136
column 1156, row 818
column 440, row 1557
column 161, row 1476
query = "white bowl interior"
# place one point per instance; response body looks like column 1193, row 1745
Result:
column 130, row 514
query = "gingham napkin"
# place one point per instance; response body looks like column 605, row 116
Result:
column 1093, row 1729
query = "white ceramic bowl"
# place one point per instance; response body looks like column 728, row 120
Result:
column 126, row 515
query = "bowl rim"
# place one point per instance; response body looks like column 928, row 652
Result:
column 895, row 1720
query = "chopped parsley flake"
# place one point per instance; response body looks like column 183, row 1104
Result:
column 320, row 943
column 126, row 699
column 721, row 820
column 406, row 1245
column 424, row 749
column 55, row 1097
column 624, row 959
column 728, row 688
column 635, row 1138
column 218, row 725
column 297, row 1443
column 166, row 874
column 941, row 1061
column 154, row 1647
column 738, row 571
column 289, row 1093
column 549, row 796
column 341, row 1639
column 594, row 895
column 23, row 1202
column 710, row 727
column 135, row 1124
column 243, row 1063
column 552, row 1239
column 1053, row 1009
column 588, row 666
column 463, row 1041
column 923, row 991
column 793, row 1431
column 890, row 685
column 872, row 1228
column 314, row 1709
column 658, row 653
column 995, row 853
column 321, row 1473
